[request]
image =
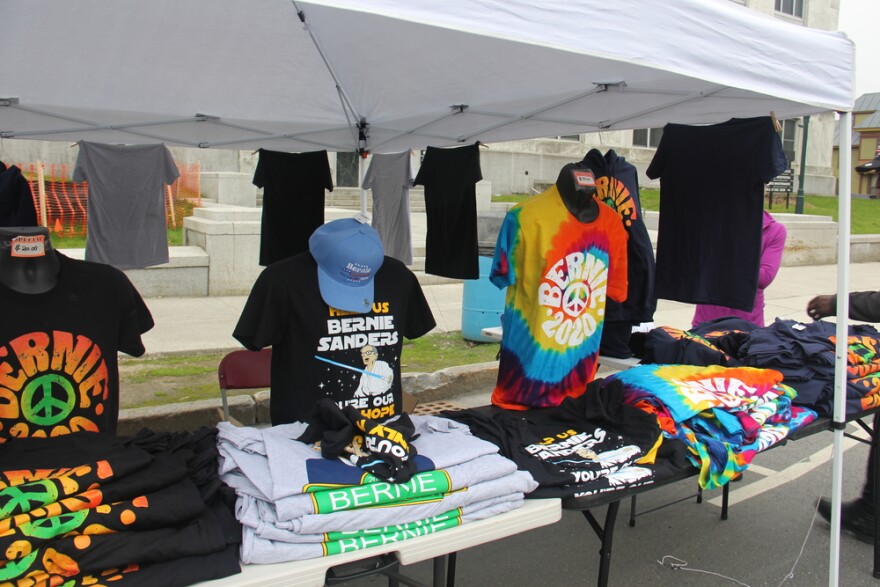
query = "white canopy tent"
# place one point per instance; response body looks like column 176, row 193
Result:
column 391, row 75
column 236, row 74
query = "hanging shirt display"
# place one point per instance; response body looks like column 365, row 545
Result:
column 126, row 215
column 711, row 199
column 450, row 177
column 558, row 273
column 293, row 200
column 772, row 246
column 58, row 351
column 321, row 352
column 16, row 199
column 390, row 177
column 617, row 184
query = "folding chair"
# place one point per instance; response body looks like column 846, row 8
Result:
column 243, row 369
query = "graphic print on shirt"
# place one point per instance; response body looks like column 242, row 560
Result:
column 573, row 293
column 862, row 368
column 558, row 273
column 615, row 193
column 51, row 383
column 586, row 456
column 42, row 505
column 360, row 352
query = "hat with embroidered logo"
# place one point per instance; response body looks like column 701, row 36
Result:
column 349, row 253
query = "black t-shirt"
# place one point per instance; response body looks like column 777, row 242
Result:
column 16, row 199
column 320, row 352
column 293, row 200
column 575, row 447
column 58, row 351
column 711, row 200
column 450, row 177
column 618, row 186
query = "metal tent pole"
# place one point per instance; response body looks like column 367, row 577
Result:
column 839, row 419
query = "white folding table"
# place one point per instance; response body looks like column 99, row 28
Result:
column 313, row 572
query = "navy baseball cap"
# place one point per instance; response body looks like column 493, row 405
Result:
column 349, row 253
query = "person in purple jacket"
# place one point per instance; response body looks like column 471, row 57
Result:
column 772, row 245
column 857, row 515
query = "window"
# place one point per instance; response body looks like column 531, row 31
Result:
column 347, row 170
column 791, row 7
column 647, row 137
column 569, row 137
column 789, row 131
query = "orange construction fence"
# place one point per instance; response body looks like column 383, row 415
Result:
column 62, row 204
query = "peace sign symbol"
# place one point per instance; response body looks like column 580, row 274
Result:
column 14, row 569
column 575, row 299
column 23, row 498
column 47, row 528
column 48, row 399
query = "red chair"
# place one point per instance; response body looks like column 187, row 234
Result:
column 244, row 369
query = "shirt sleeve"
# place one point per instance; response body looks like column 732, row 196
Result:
column 328, row 177
column 264, row 315
column 771, row 254
column 419, row 318
column 135, row 318
column 502, row 273
column 170, row 170
column 618, row 278
column 864, row 306
column 658, row 163
column 260, row 172
column 82, row 165
column 423, row 177
column 368, row 176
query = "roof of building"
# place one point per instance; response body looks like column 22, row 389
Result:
column 870, row 122
column 867, row 103
column 864, row 103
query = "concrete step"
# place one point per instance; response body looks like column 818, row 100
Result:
column 212, row 211
column 350, row 198
column 184, row 275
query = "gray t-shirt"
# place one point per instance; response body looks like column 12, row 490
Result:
column 126, row 206
column 390, row 177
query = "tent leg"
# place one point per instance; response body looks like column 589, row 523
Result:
column 840, row 353
column 875, row 454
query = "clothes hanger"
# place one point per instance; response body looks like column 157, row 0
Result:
column 776, row 124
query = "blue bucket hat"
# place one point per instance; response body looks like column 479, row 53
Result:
column 349, row 253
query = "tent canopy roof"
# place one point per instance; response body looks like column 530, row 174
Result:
column 298, row 76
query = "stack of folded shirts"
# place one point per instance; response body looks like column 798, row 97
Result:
column 295, row 504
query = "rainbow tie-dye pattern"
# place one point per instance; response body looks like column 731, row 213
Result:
column 725, row 415
column 558, row 272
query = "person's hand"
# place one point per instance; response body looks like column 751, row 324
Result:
column 821, row 306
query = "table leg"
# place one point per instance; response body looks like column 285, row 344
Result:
column 439, row 571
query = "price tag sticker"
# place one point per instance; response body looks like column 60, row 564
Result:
column 28, row 246
column 584, row 179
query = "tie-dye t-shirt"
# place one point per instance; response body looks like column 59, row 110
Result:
column 558, row 272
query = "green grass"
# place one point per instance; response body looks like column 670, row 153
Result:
column 865, row 213
column 444, row 349
column 162, row 380
column 78, row 241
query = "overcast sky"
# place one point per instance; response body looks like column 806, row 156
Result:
column 860, row 20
